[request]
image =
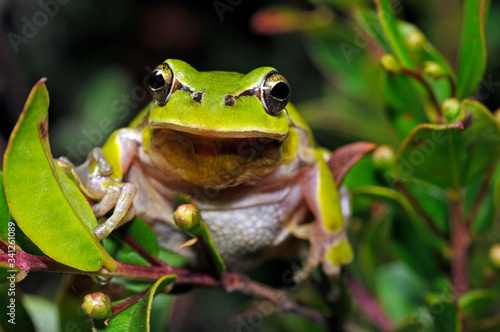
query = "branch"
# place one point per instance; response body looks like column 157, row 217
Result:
column 231, row 282
column 420, row 210
column 419, row 77
column 369, row 305
column 481, row 195
column 460, row 240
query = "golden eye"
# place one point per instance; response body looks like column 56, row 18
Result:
column 160, row 83
column 275, row 93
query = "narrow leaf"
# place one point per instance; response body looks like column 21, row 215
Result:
column 451, row 155
column 390, row 27
column 472, row 60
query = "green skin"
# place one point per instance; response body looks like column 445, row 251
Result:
column 254, row 175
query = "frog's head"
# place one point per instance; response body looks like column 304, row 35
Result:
column 217, row 120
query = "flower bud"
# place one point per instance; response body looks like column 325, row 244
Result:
column 415, row 41
column 188, row 218
column 389, row 63
column 384, row 157
column 97, row 305
column 434, row 70
column 495, row 255
column 451, row 108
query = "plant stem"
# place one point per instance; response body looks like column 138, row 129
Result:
column 369, row 305
column 460, row 241
column 420, row 210
column 481, row 195
column 419, row 77
column 140, row 250
column 229, row 281
column 127, row 303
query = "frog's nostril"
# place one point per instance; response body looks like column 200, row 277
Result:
column 197, row 96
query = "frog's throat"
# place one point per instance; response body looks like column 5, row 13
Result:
column 214, row 161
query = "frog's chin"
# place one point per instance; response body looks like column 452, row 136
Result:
column 214, row 161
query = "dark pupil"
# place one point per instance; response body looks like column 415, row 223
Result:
column 280, row 91
column 156, row 80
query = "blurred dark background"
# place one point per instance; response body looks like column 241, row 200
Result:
column 96, row 56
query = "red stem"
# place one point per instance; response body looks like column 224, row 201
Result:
column 137, row 247
column 460, row 241
column 369, row 305
column 127, row 303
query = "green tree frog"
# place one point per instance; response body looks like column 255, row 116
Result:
column 235, row 144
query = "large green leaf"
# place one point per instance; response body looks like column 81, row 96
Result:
column 4, row 210
column 443, row 311
column 448, row 155
column 138, row 316
column 399, row 290
column 47, row 206
column 472, row 60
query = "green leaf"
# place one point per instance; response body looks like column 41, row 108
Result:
column 7, row 271
column 139, row 232
column 4, row 210
column 47, row 206
column 138, row 316
column 390, row 26
column 399, row 290
column 478, row 301
column 472, row 59
column 444, row 314
column 20, row 239
column 220, row 266
column 448, row 156
column 43, row 313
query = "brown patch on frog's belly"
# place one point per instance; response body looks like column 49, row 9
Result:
column 244, row 235
column 214, row 161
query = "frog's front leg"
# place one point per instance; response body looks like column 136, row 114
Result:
column 103, row 181
column 118, row 196
column 329, row 243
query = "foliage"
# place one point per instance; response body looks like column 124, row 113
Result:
column 425, row 201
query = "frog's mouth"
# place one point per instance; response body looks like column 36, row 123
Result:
column 214, row 159
column 206, row 133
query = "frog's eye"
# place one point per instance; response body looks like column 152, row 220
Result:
column 160, row 84
column 275, row 93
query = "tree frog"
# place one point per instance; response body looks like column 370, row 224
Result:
column 236, row 145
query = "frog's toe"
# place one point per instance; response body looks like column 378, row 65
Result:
column 330, row 249
column 120, row 197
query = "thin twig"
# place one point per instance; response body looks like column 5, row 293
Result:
column 140, row 250
column 453, row 86
column 460, row 240
column 481, row 195
column 282, row 301
column 369, row 305
column 420, row 210
column 127, row 303
column 419, row 77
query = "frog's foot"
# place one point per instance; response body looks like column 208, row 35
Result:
column 120, row 197
column 330, row 249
